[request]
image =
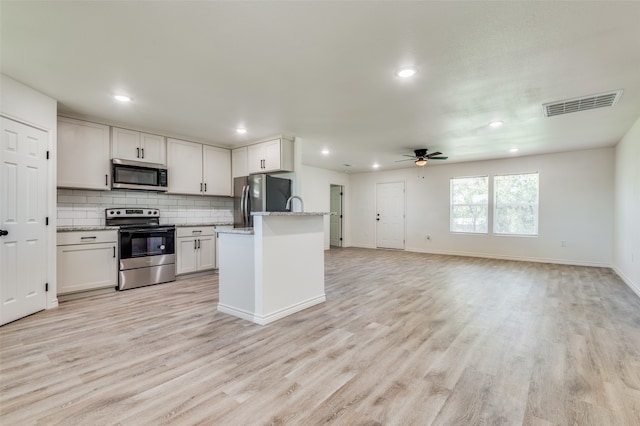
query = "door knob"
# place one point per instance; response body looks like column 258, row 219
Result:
column 3, row 232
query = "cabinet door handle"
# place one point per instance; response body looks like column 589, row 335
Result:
column 142, row 149
column 114, row 252
column 106, row 180
column 205, row 187
column 195, row 244
column 138, row 154
column 200, row 186
column 198, row 244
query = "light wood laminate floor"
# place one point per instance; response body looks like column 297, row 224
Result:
column 404, row 338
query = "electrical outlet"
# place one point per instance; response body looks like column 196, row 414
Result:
column 563, row 243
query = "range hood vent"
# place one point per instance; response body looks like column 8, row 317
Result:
column 584, row 103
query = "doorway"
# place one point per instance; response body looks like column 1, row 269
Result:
column 390, row 205
column 335, row 220
column 23, row 209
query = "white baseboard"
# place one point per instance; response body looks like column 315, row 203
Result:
column 516, row 258
column 273, row 316
column 240, row 313
column 635, row 287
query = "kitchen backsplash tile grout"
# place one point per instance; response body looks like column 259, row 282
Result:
column 86, row 208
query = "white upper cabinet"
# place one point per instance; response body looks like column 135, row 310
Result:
column 184, row 166
column 198, row 169
column 271, row 156
column 216, row 170
column 83, row 155
column 137, row 146
column 239, row 162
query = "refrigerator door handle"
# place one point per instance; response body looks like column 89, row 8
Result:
column 242, row 203
column 245, row 201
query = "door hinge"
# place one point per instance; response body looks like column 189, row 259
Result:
column 47, row 155
column 46, row 286
column 46, row 221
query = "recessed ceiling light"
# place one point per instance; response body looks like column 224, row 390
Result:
column 407, row 72
column 241, row 130
column 496, row 124
column 375, row 165
column 325, row 151
column 122, row 98
column 514, row 150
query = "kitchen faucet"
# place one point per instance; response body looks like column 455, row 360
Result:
column 289, row 203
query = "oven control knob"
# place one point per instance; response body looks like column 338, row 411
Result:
column 118, row 212
column 155, row 213
column 148, row 212
column 111, row 212
column 162, row 247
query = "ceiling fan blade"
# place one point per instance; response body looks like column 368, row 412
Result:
column 434, row 154
column 410, row 156
column 438, row 158
column 408, row 159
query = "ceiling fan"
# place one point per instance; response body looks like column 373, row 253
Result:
column 421, row 157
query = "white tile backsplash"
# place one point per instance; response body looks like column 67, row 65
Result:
column 86, row 208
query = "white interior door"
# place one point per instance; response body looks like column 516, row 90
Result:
column 335, row 220
column 390, row 215
column 23, row 198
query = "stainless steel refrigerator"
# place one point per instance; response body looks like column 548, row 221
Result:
column 258, row 193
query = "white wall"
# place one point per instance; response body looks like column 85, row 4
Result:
column 315, row 185
column 576, row 206
column 626, row 248
column 22, row 103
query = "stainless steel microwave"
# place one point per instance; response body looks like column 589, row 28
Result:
column 128, row 174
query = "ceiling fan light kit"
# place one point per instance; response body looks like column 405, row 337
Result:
column 420, row 157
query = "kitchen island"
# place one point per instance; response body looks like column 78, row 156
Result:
column 274, row 269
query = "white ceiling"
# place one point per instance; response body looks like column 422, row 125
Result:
column 325, row 71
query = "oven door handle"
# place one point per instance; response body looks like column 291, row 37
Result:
column 145, row 230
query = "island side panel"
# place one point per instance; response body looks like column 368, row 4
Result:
column 236, row 275
column 291, row 249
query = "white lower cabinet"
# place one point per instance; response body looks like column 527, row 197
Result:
column 195, row 249
column 86, row 260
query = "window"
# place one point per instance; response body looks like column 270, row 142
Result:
column 515, row 207
column 470, row 204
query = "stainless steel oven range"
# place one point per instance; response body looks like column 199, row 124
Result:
column 147, row 249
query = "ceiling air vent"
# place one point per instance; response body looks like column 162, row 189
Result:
column 584, row 103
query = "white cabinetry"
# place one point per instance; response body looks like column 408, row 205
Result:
column 271, row 156
column 195, row 249
column 86, row 260
column 83, row 155
column 137, row 146
column 198, row 169
column 216, row 170
column 239, row 162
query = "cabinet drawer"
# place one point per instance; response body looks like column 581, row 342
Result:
column 86, row 237
column 84, row 267
column 194, row 231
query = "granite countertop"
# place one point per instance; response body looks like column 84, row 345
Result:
column 244, row 231
column 86, row 228
column 290, row 213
